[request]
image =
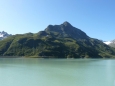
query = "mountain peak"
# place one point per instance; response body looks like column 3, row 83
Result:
column 66, row 23
column 66, row 30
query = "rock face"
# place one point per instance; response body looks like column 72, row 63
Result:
column 66, row 30
column 4, row 35
column 56, row 41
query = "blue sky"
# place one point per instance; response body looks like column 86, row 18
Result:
column 95, row 17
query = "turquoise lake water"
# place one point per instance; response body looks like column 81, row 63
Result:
column 57, row 72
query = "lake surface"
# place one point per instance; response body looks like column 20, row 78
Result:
column 56, row 72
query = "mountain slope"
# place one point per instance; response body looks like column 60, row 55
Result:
column 56, row 41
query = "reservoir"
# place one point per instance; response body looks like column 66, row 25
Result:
column 57, row 72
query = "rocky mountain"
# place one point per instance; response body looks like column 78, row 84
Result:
column 56, row 41
column 110, row 43
column 66, row 30
column 4, row 35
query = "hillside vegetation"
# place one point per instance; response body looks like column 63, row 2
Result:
column 56, row 41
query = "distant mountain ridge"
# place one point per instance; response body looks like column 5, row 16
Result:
column 107, row 42
column 110, row 43
column 4, row 35
column 56, row 41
